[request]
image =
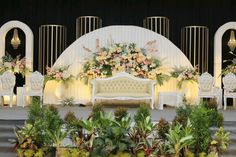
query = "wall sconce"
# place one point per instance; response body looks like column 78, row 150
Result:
column 15, row 41
column 232, row 41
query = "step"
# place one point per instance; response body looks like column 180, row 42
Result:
column 7, row 154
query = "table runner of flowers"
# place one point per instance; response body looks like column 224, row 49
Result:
column 119, row 57
column 58, row 74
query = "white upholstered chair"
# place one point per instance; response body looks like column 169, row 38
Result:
column 34, row 87
column 208, row 90
column 229, row 82
column 8, row 81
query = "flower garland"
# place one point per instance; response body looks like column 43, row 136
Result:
column 184, row 74
column 58, row 74
column 123, row 57
column 16, row 65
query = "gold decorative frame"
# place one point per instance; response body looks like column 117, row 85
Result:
column 52, row 42
column 158, row 24
column 195, row 45
column 86, row 24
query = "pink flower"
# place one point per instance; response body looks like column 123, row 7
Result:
column 58, row 75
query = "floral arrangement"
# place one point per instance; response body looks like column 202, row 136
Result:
column 123, row 57
column 16, row 65
column 185, row 74
column 231, row 68
column 58, row 74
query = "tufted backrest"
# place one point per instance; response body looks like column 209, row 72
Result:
column 36, row 81
column 123, row 84
column 205, row 82
column 229, row 82
column 8, row 80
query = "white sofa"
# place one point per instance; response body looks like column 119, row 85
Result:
column 123, row 86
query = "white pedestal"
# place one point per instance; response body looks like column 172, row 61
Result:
column 19, row 96
column 169, row 98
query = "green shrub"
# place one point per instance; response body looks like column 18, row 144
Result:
column 182, row 114
column 35, row 111
column 202, row 118
column 72, row 123
column 163, row 127
column 142, row 112
column 96, row 111
column 120, row 113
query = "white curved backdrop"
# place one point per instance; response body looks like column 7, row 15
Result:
column 75, row 56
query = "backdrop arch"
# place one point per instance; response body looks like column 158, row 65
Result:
column 218, row 50
column 29, row 40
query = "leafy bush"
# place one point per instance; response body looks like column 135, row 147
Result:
column 112, row 136
column 182, row 114
column 163, row 127
column 72, row 123
column 120, row 113
column 202, row 119
column 35, row 111
column 96, row 111
column 179, row 138
column 142, row 112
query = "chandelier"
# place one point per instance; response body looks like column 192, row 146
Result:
column 15, row 41
column 232, row 41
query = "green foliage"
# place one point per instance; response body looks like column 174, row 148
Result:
column 96, row 111
column 112, row 136
column 223, row 139
column 142, row 112
column 26, row 137
column 46, row 118
column 72, row 123
column 201, row 125
column 35, row 111
column 163, row 127
column 212, row 104
column 179, row 138
column 120, row 113
column 182, row 114
column 161, row 78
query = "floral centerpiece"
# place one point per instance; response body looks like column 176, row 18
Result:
column 16, row 65
column 185, row 74
column 123, row 57
column 58, row 74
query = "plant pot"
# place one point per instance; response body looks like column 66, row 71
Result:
column 60, row 90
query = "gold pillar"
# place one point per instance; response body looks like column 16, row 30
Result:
column 158, row 24
column 86, row 24
column 52, row 42
column 195, row 45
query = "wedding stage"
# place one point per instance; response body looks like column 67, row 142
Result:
column 79, row 53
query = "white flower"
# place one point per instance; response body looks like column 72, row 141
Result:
column 65, row 75
column 145, row 68
column 8, row 65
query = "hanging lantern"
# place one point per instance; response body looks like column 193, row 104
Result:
column 15, row 41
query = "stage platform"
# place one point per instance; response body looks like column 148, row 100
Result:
column 20, row 113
